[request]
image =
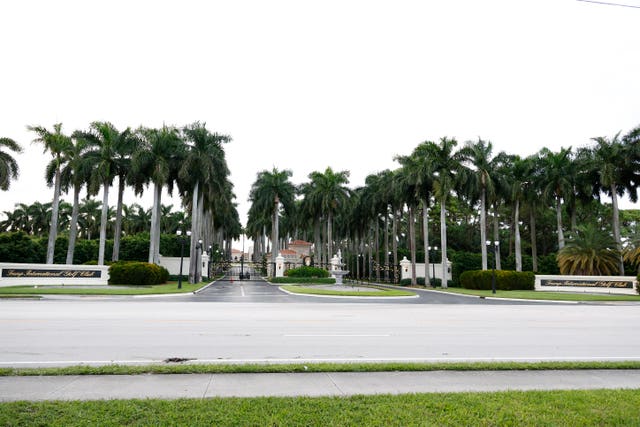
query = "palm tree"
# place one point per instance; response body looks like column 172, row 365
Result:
column 89, row 216
column 8, row 166
column 56, row 143
column 204, row 164
column 158, row 158
column 40, row 217
column 103, row 140
column 616, row 170
column 329, row 193
column 558, row 184
column 589, row 251
column 268, row 192
column 449, row 172
column 479, row 156
column 75, row 173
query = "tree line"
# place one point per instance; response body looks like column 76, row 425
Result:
column 488, row 198
column 189, row 159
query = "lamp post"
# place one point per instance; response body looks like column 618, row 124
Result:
column 181, row 237
column 198, row 275
column 496, row 245
column 242, row 259
column 433, row 265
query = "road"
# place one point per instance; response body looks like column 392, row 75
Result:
column 237, row 328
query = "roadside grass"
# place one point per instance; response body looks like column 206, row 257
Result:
column 521, row 408
column 166, row 288
column 549, row 296
column 215, row 368
column 379, row 292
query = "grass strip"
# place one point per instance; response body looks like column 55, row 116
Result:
column 166, row 288
column 539, row 295
column 513, row 408
column 213, row 368
column 379, row 292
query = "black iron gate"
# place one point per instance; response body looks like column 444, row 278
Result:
column 247, row 271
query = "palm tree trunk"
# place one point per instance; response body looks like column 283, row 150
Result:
column 412, row 244
column 496, row 236
column 329, row 236
column 195, row 235
column 73, row 227
column 154, row 241
column 559, row 224
column 534, row 241
column 483, row 228
column 377, row 249
column 53, row 229
column 386, row 247
column 103, row 223
column 443, row 241
column 518, row 243
column 117, row 233
column 274, row 234
column 615, row 224
column 316, row 241
column 394, row 232
column 425, row 231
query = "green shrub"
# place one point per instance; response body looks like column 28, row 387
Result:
column 506, row 280
column 406, row 282
column 306, row 271
column 137, row 273
column 313, row 280
column 464, row 261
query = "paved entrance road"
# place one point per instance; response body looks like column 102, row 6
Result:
column 50, row 332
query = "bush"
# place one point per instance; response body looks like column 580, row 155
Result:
column 464, row 261
column 306, row 271
column 506, row 280
column 137, row 273
column 311, row 280
column 406, row 282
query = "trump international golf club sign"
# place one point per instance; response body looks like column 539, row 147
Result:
column 52, row 274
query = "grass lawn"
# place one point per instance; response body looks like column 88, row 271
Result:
column 167, row 288
column 516, row 408
column 215, row 368
column 556, row 296
column 375, row 292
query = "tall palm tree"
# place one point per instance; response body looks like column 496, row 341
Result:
column 8, row 166
column 158, row 158
column 75, row 173
column 89, row 216
column 56, row 143
column 479, row 155
column 203, row 165
column 558, row 184
column 103, row 140
column 616, row 170
column 329, row 192
column 449, row 174
column 268, row 192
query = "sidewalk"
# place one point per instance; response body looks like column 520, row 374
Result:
column 99, row 387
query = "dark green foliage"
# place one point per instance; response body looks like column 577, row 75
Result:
column 135, row 248
column 548, row 264
column 306, row 271
column 19, row 247
column 137, row 273
column 406, row 282
column 316, row 280
column 506, row 280
column 464, row 261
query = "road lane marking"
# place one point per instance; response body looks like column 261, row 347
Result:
column 242, row 290
column 337, row 335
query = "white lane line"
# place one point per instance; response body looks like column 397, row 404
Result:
column 336, row 335
column 242, row 290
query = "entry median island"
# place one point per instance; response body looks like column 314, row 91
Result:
column 346, row 290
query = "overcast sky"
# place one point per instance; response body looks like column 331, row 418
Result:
column 303, row 85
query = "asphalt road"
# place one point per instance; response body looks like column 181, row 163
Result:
column 97, row 331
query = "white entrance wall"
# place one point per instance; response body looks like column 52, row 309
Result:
column 16, row 274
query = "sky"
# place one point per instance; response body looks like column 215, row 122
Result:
column 304, row 85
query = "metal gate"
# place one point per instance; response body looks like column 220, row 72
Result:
column 247, row 271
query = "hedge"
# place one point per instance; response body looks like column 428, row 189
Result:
column 506, row 280
column 316, row 280
column 306, row 271
column 137, row 273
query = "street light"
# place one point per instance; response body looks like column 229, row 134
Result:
column 496, row 245
column 209, row 265
column 182, row 239
column 198, row 275
column 433, row 264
